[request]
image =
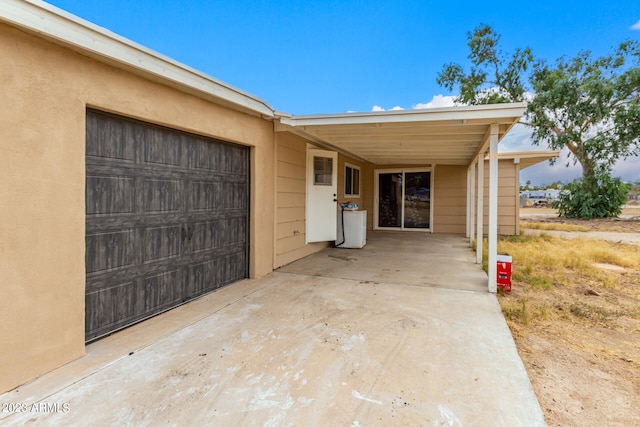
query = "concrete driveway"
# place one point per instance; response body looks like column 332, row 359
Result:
column 402, row 332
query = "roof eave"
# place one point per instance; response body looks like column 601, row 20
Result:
column 70, row 31
column 507, row 113
column 529, row 158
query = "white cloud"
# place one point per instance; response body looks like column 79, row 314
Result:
column 628, row 170
column 437, row 101
column 518, row 139
column 566, row 171
column 545, row 173
column 379, row 108
column 636, row 26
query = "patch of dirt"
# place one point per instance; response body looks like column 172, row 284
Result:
column 582, row 349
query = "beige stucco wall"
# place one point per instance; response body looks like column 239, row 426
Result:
column 45, row 92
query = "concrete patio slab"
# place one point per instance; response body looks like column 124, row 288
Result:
column 299, row 349
column 426, row 259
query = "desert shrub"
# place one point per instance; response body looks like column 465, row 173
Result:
column 597, row 196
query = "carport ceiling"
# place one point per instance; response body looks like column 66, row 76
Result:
column 452, row 135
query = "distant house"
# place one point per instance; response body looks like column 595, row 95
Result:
column 131, row 183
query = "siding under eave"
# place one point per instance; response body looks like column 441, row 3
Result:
column 291, row 161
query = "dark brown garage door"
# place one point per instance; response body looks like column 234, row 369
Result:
column 166, row 219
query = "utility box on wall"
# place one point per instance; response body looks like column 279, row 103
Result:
column 503, row 275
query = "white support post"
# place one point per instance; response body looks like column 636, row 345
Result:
column 480, row 204
column 469, row 202
column 493, row 207
column 472, row 197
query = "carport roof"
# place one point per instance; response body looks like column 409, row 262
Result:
column 452, row 135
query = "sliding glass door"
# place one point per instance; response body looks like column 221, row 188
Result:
column 403, row 199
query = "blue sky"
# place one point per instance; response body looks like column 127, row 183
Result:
column 308, row 57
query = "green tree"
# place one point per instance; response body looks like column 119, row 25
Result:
column 592, row 197
column 589, row 105
column 556, row 185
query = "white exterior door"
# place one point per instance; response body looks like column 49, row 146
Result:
column 322, row 191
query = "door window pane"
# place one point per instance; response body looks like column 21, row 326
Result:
column 417, row 195
column 322, row 170
column 390, row 200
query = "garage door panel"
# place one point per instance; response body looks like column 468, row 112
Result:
column 165, row 148
column 232, row 161
column 161, row 195
column 237, row 163
column 114, row 306
column 218, row 234
column 166, row 219
column 162, row 243
column 205, row 277
column 205, row 236
column 204, row 156
column 109, row 138
column 232, row 231
column 233, row 195
column 108, row 251
column 105, row 279
column 232, row 267
column 110, row 195
column 164, row 290
column 213, row 274
column 204, row 195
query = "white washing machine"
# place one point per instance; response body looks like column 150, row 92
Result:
column 355, row 229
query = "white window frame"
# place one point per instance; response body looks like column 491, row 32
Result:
column 353, row 167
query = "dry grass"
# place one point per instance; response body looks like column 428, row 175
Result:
column 558, row 224
column 555, row 256
column 542, row 262
column 560, row 297
column 552, row 226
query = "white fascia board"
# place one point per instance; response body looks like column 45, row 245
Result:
column 505, row 113
column 548, row 154
column 527, row 158
column 68, row 30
